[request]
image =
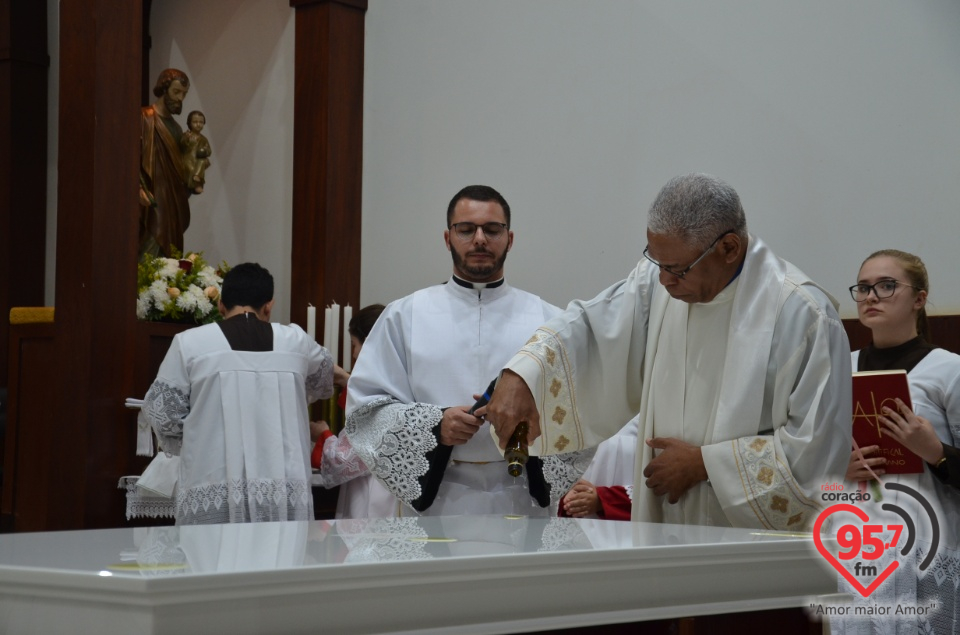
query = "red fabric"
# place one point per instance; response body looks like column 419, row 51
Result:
column 616, row 503
column 342, row 399
column 316, row 457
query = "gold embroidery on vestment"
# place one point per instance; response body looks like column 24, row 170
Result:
column 758, row 444
column 765, row 475
column 795, row 519
column 555, row 387
column 779, row 504
column 551, row 356
column 558, row 415
column 561, row 443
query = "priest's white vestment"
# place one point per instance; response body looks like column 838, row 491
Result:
column 433, row 349
column 239, row 421
column 777, row 422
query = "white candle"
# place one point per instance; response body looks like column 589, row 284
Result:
column 347, row 352
column 327, row 323
column 335, row 331
column 312, row 322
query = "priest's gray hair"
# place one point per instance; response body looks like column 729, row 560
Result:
column 697, row 208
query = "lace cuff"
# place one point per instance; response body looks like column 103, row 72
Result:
column 562, row 471
column 394, row 439
column 165, row 406
column 319, row 385
column 340, row 463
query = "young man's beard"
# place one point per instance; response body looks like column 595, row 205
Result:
column 478, row 271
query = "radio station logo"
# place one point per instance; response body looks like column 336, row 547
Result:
column 862, row 542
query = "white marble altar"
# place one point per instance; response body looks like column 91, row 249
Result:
column 484, row 574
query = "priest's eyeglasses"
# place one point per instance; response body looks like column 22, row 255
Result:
column 882, row 289
column 466, row 231
column 683, row 272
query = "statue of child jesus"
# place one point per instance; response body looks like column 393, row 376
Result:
column 195, row 150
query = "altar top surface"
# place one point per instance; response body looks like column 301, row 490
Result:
column 191, row 551
column 587, row 571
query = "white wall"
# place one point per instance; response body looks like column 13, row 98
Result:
column 836, row 121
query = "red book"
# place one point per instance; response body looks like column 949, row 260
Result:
column 872, row 390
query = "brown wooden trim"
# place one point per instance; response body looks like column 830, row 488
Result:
column 356, row 4
column 27, row 470
column 99, row 150
column 944, row 332
column 327, row 156
column 24, row 64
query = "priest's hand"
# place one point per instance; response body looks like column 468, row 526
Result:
column 678, row 467
column 458, row 426
column 511, row 403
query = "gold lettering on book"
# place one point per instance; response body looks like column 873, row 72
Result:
column 872, row 412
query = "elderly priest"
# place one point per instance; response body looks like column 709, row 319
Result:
column 737, row 363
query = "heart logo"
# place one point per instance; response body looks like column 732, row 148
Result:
column 829, row 557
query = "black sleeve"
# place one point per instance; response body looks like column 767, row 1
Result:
column 539, row 488
column 438, row 458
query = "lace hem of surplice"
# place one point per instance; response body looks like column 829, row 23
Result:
column 244, row 501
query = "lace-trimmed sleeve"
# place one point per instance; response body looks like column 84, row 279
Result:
column 319, row 382
column 340, row 463
column 399, row 443
column 165, row 407
column 562, row 471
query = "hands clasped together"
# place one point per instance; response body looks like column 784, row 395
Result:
column 582, row 500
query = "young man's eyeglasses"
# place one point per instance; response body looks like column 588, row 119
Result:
column 466, row 231
column 680, row 274
column 882, row 289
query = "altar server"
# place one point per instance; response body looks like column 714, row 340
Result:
column 737, row 363
column 425, row 361
column 231, row 399
column 891, row 296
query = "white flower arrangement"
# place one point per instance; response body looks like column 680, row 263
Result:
column 179, row 289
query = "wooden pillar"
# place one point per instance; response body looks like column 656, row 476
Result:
column 24, row 63
column 95, row 324
column 327, row 154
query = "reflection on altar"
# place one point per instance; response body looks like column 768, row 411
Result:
column 478, row 574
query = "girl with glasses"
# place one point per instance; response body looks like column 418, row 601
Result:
column 891, row 295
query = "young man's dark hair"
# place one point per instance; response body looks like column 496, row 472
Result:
column 246, row 284
column 482, row 193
